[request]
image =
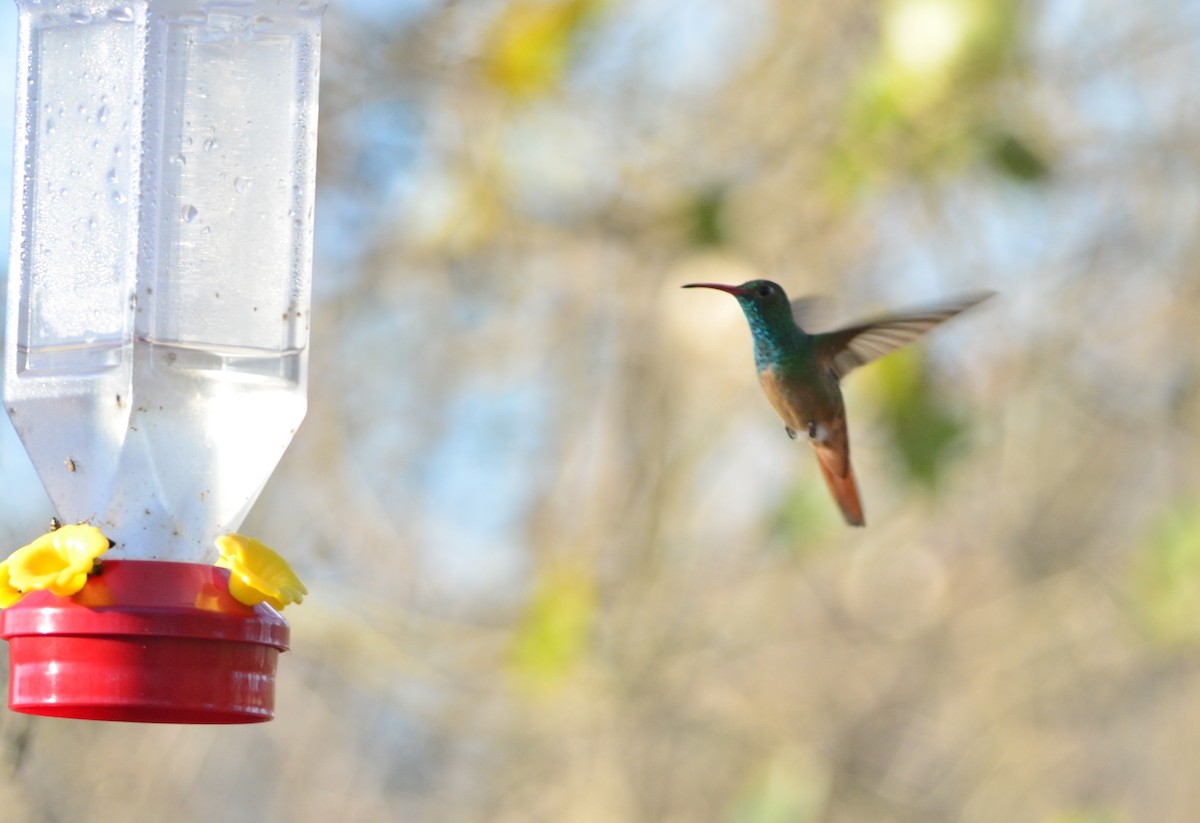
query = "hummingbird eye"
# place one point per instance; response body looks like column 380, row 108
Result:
column 765, row 290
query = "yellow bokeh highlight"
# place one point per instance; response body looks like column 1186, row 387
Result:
column 552, row 637
column 531, row 43
column 1166, row 578
column 927, row 37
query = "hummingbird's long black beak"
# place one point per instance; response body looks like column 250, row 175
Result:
column 734, row 290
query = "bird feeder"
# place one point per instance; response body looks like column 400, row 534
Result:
column 156, row 349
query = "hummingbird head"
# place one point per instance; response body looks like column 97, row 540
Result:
column 767, row 310
column 761, row 300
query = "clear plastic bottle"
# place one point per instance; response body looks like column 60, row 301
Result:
column 161, row 260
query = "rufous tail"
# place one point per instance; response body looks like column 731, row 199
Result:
column 842, row 486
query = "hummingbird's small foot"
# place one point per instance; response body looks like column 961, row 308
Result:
column 790, row 432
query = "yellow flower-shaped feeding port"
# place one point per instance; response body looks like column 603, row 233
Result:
column 59, row 561
column 9, row 593
column 258, row 573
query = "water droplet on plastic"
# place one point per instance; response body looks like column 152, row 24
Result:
column 179, row 159
column 118, row 196
column 102, row 114
column 240, row 184
column 112, row 175
column 188, row 213
column 210, row 144
column 121, row 14
column 80, row 17
column 49, row 125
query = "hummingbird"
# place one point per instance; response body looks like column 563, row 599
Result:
column 801, row 372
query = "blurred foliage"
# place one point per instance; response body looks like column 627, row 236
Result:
column 923, row 429
column 1166, row 578
column 927, row 104
column 552, row 636
column 1086, row 816
column 706, row 217
column 1013, row 157
column 532, row 42
column 790, row 789
column 803, row 514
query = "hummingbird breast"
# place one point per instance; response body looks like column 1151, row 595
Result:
column 801, row 400
column 812, row 407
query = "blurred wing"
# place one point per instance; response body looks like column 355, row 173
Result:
column 812, row 313
column 847, row 349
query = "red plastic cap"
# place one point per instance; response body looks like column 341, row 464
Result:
column 145, row 641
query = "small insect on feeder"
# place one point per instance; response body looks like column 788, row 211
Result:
column 156, row 349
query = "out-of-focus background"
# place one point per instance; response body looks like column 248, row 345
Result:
column 564, row 563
